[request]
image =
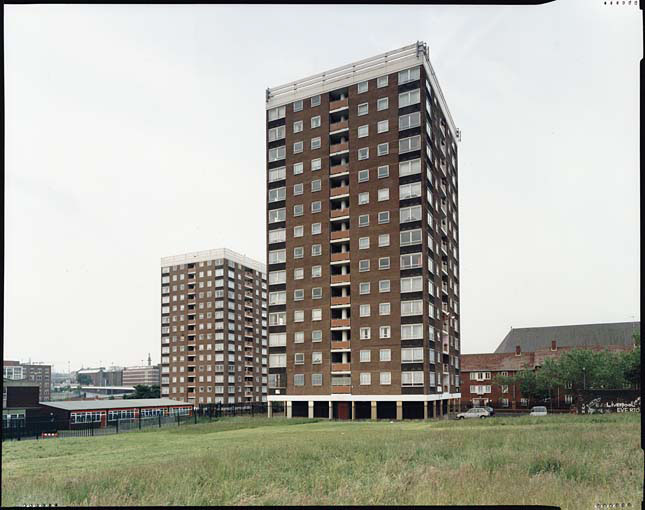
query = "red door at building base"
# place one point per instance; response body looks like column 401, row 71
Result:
column 343, row 410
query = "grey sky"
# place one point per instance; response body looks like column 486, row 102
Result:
column 122, row 146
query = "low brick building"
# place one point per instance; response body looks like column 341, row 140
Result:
column 20, row 401
column 532, row 346
column 72, row 412
column 38, row 373
column 479, row 372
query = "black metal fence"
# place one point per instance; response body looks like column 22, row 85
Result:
column 519, row 407
column 241, row 409
column 37, row 429
column 594, row 401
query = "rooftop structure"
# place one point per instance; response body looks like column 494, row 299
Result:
column 73, row 405
column 219, row 253
column 361, row 70
column 579, row 335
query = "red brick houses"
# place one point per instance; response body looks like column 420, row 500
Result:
column 480, row 370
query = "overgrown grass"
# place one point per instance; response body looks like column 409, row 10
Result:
column 568, row 461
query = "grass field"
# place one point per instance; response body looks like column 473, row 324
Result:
column 568, row 461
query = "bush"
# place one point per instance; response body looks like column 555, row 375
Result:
column 544, row 465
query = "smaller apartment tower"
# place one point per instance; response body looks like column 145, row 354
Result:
column 213, row 328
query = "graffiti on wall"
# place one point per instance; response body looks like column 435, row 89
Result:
column 600, row 406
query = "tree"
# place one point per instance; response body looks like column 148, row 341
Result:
column 84, row 379
column 582, row 369
column 631, row 365
column 579, row 370
column 532, row 384
column 144, row 391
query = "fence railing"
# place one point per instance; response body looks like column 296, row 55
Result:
column 240, row 409
column 46, row 428
column 594, row 401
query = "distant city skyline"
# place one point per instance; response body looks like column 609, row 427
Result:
column 106, row 140
column 62, row 368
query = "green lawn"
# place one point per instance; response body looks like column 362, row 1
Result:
column 568, row 461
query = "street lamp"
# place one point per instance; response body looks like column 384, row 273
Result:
column 584, row 378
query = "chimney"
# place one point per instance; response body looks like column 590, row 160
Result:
column 554, row 347
column 518, row 351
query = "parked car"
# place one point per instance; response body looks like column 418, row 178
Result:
column 490, row 410
column 475, row 412
column 538, row 411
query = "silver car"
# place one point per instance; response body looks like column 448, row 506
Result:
column 538, row 411
column 475, row 412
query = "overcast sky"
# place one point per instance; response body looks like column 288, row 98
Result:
column 123, row 145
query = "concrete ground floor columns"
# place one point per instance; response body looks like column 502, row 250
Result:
column 365, row 407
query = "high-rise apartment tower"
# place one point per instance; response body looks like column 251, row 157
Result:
column 213, row 328
column 362, row 241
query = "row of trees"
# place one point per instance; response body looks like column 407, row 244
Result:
column 579, row 370
column 84, row 379
column 143, row 391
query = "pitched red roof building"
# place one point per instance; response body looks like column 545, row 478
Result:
column 480, row 370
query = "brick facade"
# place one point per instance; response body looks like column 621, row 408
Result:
column 334, row 229
column 35, row 372
column 213, row 328
column 492, row 365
